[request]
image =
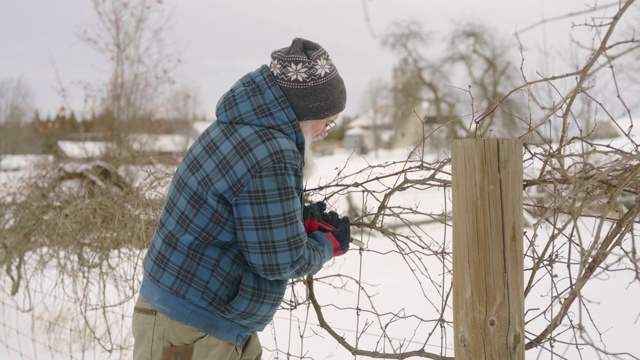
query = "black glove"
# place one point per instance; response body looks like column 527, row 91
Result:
column 330, row 218
column 311, row 214
column 341, row 236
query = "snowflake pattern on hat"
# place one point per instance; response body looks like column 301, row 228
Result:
column 299, row 71
column 308, row 79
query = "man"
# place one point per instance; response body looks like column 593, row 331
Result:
column 231, row 233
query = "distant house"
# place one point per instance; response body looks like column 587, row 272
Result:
column 82, row 150
column 367, row 132
column 379, row 129
column 166, row 146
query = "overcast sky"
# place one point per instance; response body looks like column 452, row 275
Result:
column 219, row 41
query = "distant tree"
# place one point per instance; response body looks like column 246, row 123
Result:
column 482, row 61
column 415, row 81
column 183, row 104
column 378, row 107
column 131, row 36
column 424, row 83
column 16, row 110
column 48, row 131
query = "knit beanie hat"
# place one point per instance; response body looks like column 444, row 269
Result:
column 309, row 80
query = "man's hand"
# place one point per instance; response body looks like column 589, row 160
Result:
column 311, row 214
column 341, row 236
column 338, row 229
column 331, row 218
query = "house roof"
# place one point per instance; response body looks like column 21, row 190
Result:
column 160, row 143
column 366, row 121
column 145, row 143
column 83, row 149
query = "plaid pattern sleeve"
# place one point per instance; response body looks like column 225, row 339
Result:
column 269, row 225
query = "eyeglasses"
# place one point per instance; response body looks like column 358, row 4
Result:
column 329, row 125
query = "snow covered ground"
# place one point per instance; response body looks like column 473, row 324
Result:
column 63, row 311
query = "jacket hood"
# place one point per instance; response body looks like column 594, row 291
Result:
column 257, row 100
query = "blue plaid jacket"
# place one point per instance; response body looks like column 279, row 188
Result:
column 231, row 232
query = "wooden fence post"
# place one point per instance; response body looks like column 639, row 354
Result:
column 488, row 289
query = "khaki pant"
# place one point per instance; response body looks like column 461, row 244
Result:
column 158, row 337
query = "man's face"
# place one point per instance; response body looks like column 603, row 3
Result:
column 321, row 128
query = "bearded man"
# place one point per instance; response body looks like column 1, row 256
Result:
column 234, row 228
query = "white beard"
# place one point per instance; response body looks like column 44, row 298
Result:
column 309, row 160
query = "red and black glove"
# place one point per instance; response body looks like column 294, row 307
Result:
column 311, row 215
column 338, row 229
